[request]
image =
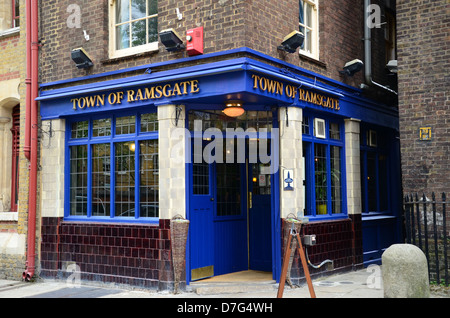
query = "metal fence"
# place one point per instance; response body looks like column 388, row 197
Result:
column 426, row 227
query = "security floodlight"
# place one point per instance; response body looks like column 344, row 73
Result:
column 392, row 66
column 171, row 40
column 81, row 58
column 292, row 41
column 352, row 67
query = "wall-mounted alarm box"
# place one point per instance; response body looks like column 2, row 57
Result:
column 194, row 41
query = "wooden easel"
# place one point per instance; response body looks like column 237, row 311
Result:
column 287, row 254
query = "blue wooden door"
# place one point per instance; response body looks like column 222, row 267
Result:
column 201, row 230
column 260, row 229
column 230, row 221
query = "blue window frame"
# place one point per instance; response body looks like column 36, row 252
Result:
column 112, row 168
column 324, row 167
column 375, row 185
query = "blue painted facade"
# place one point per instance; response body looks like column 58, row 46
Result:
column 260, row 82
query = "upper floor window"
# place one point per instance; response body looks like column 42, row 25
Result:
column 133, row 27
column 9, row 16
column 15, row 14
column 309, row 26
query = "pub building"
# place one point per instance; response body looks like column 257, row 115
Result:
column 239, row 144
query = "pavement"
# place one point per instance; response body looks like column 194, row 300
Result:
column 365, row 283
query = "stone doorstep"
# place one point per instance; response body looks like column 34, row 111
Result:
column 232, row 288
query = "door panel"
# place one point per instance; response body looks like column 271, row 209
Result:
column 230, row 223
column 227, row 232
column 201, row 229
column 260, row 238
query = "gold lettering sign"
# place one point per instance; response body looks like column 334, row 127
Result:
column 291, row 91
column 134, row 95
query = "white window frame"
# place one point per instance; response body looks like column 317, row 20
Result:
column 115, row 53
column 312, row 52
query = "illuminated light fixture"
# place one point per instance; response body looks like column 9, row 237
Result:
column 292, row 41
column 233, row 109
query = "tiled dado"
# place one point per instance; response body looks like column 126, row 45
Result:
column 339, row 241
column 138, row 255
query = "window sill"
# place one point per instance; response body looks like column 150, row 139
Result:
column 10, row 32
column 376, row 216
column 115, row 58
column 9, row 216
column 307, row 58
column 107, row 220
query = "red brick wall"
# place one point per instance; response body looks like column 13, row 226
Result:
column 423, row 58
column 138, row 255
column 260, row 25
column 339, row 241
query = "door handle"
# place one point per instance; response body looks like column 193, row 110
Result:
column 212, row 199
column 250, row 200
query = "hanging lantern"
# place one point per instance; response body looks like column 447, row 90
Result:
column 233, row 109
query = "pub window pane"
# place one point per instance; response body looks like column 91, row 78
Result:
column 305, row 126
column 80, row 129
column 320, row 169
column 200, row 176
column 149, row 122
column 334, row 131
column 228, row 189
column 125, row 125
column 78, row 180
column 125, row 179
column 335, row 173
column 101, row 179
column 101, row 127
column 149, row 184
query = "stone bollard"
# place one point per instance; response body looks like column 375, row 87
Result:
column 405, row 272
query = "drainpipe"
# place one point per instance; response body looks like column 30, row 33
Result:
column 26, row 147
column 32, row 19
column 368, row 51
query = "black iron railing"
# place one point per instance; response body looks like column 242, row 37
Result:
column 426, row 227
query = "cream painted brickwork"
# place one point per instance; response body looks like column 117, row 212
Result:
column 13, row 226
column 353, row 165
column 172, row 172
column 291, row 152
column 52, row 168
